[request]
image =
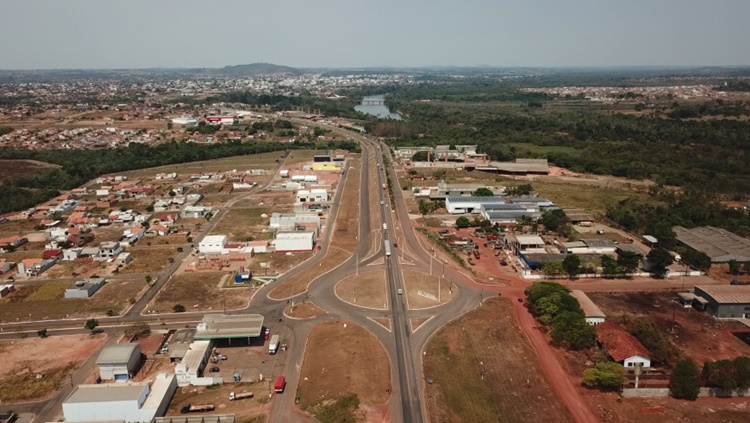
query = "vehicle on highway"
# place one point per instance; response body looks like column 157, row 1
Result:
column 267, row 334
column 503, row 262
column 381, row 202
column 387, row 245
column 400, row 291
column 214, row 370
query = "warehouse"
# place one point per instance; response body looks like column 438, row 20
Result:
column 312, row 196
column 84, row 288
column 509, row 217
column 119, row 361
column 190, row 369
column 289, row 221
column 719, row 244
column 539, row 202
column 222, row 326
column 294, row 241
column 589, row 246
column 212, row 244
column 725, row 301
column 460, row 205
column 129, row 402
column 593, row 314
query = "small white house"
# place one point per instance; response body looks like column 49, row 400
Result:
column 212, row 244
column 623, row 347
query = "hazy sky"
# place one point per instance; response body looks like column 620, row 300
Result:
column 39, row 34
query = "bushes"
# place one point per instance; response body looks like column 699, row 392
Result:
column 551, row 304
column 661, row 348
column 727, row 375
column 607, row 376
column 684, row 383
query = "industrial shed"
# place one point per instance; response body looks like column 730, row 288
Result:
column 223, row 326
column 119, row 361
column 84, row 288
column 460, row 205
column 212, row 244
column 594, row 315
column 725, row 301
column 294, row 241
column 719, row 244
column 129, row 402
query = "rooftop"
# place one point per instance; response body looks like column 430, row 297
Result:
column 472, row 199
column 215, row 326
column 85, row 284
column 737, row 294
column 589, row 308
column 107, row 392
column 295, row 235
column 619, row 343
column 117, row 353
column 719, row 244
column 529, row 240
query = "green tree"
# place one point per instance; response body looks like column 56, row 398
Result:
column 463, row 222
column 660, row 346
column 426, row 207
column 419, row 156
column 734, row 267
column 571, row 329
column 684, row 383
column 659, row 259
column 148, row 279
column 91, row 324
column 609, row 265
column 553, row 268
column 606, row 376
column 742, row 371
column 178, row 308
column 696, row 259
column 572, row 265
column 524, row 189
column 628, row 261
column 440, row 174
column 554, row 220
column 483, row 192
column 720, row 374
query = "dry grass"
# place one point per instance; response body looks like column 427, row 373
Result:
column 366, row 290
column 304, row 310
column 240, row 224
column 588, row 197
column 249, row 410
column 149, row 260
column 343, row 243
column 184, row 170
column 483, row 368
column 13, row 168
column 419, row 281
column 277, row 263
column 17, row 227
column 201, row 291
column 302, row 156
column 26, row 386
column 341, row 361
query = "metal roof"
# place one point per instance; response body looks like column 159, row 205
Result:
column 481, row 200
column 633, row 248
column 529, row 200
column 719, row 244
column 529, row 240
column 651, row 239
column 589, row 308
column 598, row 243
column 505, row 206
column 209, row 418
column 118, row 353
column 216, row 326
column 130, row 391
column 512, row 214
column 727, row 294
column 295, row 235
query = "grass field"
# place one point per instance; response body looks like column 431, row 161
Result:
column 17, row 227
column 240, row 163
column 200, row 291
column 302, row 156
column 304, row 310
column 26, row 386
column 11, row 168
column 588, row 197
column 46, row 301
column 484, row 371
column 343, row 361
column 240, row 224
column 149, row 260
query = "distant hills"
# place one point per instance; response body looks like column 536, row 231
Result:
column 256, row 69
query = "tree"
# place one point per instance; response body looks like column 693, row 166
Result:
column 553, row 268
column 483, row 192
column 554, row 220
column 148, row 279
column 607, row 376
column 463, row 222
column 440, row 174
column 661, row 348
column 572, row 265
column 91, row 324
column 628, row 261
column 178, row 308
column 734, row 267
column 419, row 156
column 426, row 207
column 138, row 328
column 742, row 370
column 720, row 374
column 696, row 259
column 659, row 260
column 685, row 383
column 42, row 333
column 570, row 328
column 746, row 267
column 524, row 189
column 609, row 265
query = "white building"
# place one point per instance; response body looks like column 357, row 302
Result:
column 132, row 402
column 212, row 244
column 593, row 314
column 294, row 241
column 190, row 370
column 109, row 249
column 312, row 196
column 186, row 121
column 527, row 244
column 84, row 288
column 460, row 205
column 119, row 361
column 289, row 221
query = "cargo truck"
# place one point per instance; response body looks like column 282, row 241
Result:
column 240, row 396
column 278, row 387
column 273, row 347
column 385, row 227
column 187, row 408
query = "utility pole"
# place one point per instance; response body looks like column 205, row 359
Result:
column 439, row 281
column 357, row 264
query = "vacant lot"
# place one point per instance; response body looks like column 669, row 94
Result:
column 343, row 243
column 47, row 301
column 13, row 168
column 422, row 291
column 149, row 260
column 247, row 410
column 366, row 290
column 54, row 357
column 583, row 196
column 245, row 224
column 343, row 361
column 17, row 227
column 201, row 291
column 304, row 310
column 483, row 368
column 240, row 163
column 302, row 156
column 698, row 335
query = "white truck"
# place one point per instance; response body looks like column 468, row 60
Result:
column 240, row 396
column 385, row 227
column 273, row 346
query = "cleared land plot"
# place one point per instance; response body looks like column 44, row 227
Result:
column 366, row 290
column 240, row 163
column 698, row 336
column 480, row 365
column 55, row 357
column 149, row 260
column 342, row 361
column 416, row 282
column 252, row 409
column 343, row 243
column 277, row 263
column 267, row 199
column 580, row 195
column 200, row 291
column 13, row 168
column 71, row 270
column 611, row 408
column 17, row 227
column 242, row 224
column 304, row 310
column 302, row 156
column 47, row 301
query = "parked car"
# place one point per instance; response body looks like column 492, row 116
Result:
column 215, row 370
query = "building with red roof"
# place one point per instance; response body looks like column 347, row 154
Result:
column 623, row 347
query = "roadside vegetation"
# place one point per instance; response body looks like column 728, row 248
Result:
column 553, row 306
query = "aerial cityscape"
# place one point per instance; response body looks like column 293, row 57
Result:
column 347, row 213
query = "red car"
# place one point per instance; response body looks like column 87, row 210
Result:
column 267, row 334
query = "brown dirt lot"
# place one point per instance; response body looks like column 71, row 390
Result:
column 277, row 263
column 304, row 310
column 13, row 168
column 483, row 368
column 54, row 356
column 199, row 292
column 366, row 290
column 46, row 301
column 149, row 260
column 241, row 224
column 343, row 243
column 184, row 170
column 302, row 156
column 244, row 410
column 420, row 281
column 341, row 361
column 699, row 336
column 17, row 227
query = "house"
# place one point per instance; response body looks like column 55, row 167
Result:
column 158, row 230
column 212, row 244
column 34, row 266
column 11, row 243
column 460, row 205
column 54, row 254
column 119, row 361
column 622, row 346
column 593, row 314
column 169, row 218
column 109, row 249
column 71, row 254
column 124, row 258
column 84, row 288
column 526, row 244
column 5, row 265
column 134, row 234
column 258, row 246
column 312, row 196
column 195, row 212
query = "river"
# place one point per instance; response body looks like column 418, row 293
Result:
column 379, row 110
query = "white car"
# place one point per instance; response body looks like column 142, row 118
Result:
column 400, row 291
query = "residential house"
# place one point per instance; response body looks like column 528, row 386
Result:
column 33, row 266
column 11, row 243
column 158, row 230
column 54, row 254
column 7, row 289
column 109, row 249
column 5, row 265
column 623, row 347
